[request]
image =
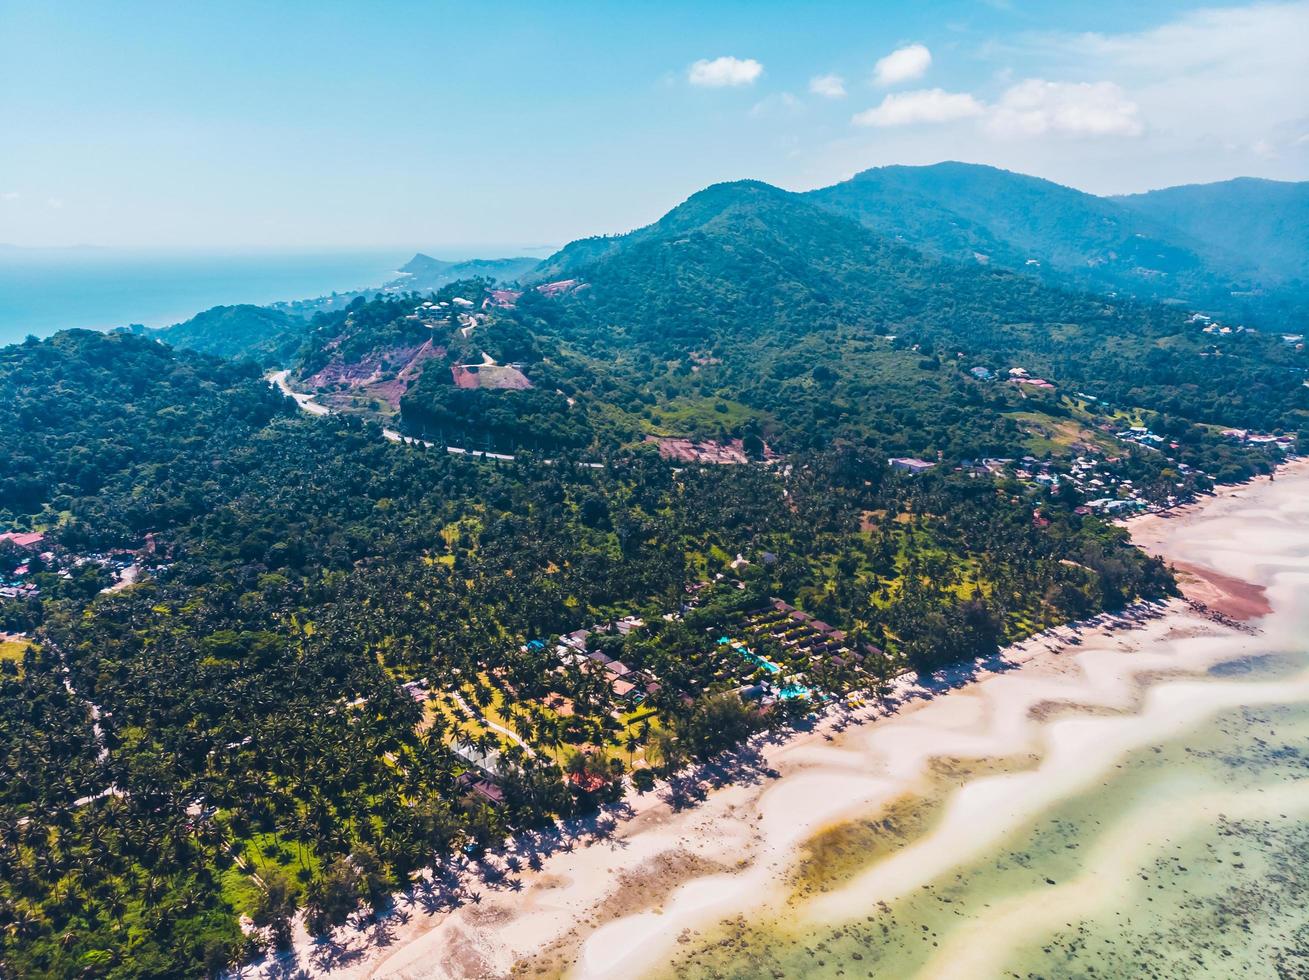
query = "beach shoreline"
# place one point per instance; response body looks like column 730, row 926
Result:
column 614, row 896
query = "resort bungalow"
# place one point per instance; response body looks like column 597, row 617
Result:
column 629, row 623
column 599, row 657
column 576, row 639
column 488, row 762
column 587, row 781
column 623, row 689
column 484, row 789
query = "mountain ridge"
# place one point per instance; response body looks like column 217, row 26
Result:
column 1070, row 237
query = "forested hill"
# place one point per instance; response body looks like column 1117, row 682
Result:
column 765, row 299
column 1265, row 223
column 423, row 272
column 1235, row 249
column 266, row 336
column 273, row 335
column 112, row 435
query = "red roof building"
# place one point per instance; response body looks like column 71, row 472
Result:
column 23, row 539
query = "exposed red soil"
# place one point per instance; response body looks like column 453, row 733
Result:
column 504, row 376
column 384, row 375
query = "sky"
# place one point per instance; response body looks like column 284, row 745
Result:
column 350, row 125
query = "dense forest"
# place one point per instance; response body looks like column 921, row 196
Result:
column 328, row 624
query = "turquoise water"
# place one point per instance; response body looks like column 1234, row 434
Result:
column 754, row 658
column 45, row 290
column 1187, row 861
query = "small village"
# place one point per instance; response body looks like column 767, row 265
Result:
column 27, row 557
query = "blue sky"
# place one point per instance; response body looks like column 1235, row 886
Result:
column 443, row 124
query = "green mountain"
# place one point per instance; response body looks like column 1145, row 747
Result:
column 1162, row 247
column 306, row 582
column 1264, row 222
column 783, row 307
column 264, row 335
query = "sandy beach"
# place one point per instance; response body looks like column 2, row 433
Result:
column 984, row 753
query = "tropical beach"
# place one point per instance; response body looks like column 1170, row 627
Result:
column 667, row 491
column 984, row 822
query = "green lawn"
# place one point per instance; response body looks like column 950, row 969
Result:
column 13, row 650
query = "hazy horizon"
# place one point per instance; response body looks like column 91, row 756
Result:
column 456, row 252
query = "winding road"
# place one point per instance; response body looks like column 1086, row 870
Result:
column 307, row 404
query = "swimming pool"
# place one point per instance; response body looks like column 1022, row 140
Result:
column 750, row 655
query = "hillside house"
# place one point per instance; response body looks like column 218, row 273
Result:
column 23, row 539
column 910, row 464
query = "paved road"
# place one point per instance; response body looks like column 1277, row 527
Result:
column 307, row 403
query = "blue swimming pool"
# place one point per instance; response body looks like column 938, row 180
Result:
column 751, row 656
column 763, row 662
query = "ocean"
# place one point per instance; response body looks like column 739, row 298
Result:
column 46, row 290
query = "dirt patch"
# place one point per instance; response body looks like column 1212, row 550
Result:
column 870, row 519
column 503, row 376
column 684, row 450
column 1225, row 594
column 382, row 375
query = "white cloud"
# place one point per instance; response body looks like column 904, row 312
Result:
column 828, row 86
column 55, row 202
column 10, row 195
column 902, row 65
column 932, row 105
column 1035, row 106
column 724, row 71
column 1215, row 77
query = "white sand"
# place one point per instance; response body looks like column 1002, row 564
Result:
column 625, row 900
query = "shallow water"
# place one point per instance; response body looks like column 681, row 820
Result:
column 1184, row 860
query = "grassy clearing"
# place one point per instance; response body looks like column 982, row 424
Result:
column 13, row 649
column 238, row 889
column 1048, row 435
column 265, row 852
column 690, row 414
